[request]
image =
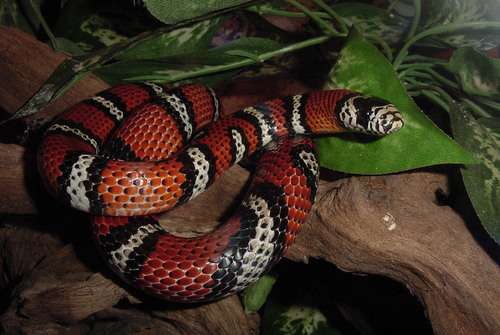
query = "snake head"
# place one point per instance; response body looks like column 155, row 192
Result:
column 369, row 115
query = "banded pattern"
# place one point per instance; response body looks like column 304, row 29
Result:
column 124, row 153
column 231, row 257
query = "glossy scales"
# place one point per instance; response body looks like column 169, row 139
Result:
column 129, row 151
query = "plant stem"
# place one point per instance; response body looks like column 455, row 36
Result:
column 333, row 15
column 447, row 28
column 326, row 27
column 392, row 5
column 45, row 26
column 420, row 58
column 415, row 73
column 416, row 66
column 437, row 89
column 240, row 63
column 488, row 102
column 71, row 70
column 261, row 10
column 416, row 19
column 476, row 109
column 433, row 94
column 436, row 99
column 443, row 79
column 429, row 73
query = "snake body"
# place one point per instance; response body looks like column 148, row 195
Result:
column 137, row 149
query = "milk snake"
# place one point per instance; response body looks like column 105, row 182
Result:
column 137, row 149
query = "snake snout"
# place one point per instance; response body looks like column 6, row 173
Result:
column 386, row 119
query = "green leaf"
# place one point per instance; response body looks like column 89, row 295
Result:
column 361, row 67
column 69, row 47
column 94, row 31
column 71, row 70
column 77, row 22
column 443, row 12
column 482, row 181
column 246, row 45
column 160, row 71
column 255, row 295
column 244, row 54
column 181, row 67
column 369, row 19
column 372, row 20
column 94, row 24
column 476, row 73
column 180, row 41
column 295, row 319
column 172, row 11
column 58, row 82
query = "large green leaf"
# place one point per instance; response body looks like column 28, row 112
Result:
column 361, row 67
column 172, row 11
column 476, row 73
column 482, row 181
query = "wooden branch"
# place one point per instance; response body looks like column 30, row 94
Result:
column 61, row 286
column 386, row 225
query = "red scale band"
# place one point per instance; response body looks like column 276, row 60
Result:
column 154, row 127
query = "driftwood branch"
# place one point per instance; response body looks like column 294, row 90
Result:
column 387, row 225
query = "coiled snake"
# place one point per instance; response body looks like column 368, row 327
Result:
column 136, row 149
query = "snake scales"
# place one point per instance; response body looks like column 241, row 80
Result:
column 137, row 149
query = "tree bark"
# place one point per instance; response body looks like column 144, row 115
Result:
column 387, row 225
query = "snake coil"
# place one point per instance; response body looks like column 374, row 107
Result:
column 136, row 149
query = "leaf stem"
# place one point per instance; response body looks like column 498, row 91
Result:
column 437, row 89
column 436, row 99
column 475, row 108
column 326, row 27
column 443, row 79
column 333, row 15
column 426, row 59
column 447, row 28
column 487, row 102
column 417, row 5
column 416, row 66
column 415, row 73
column 241, row 63
column 262, row 10
column 391, row 6
column 430, row 72
column 71, row 70
column 45, row 26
